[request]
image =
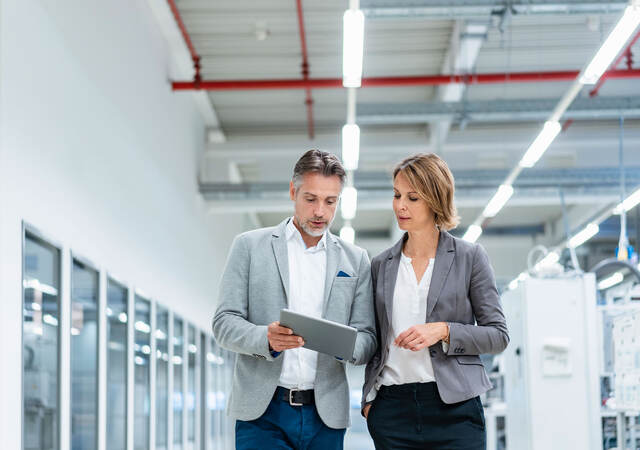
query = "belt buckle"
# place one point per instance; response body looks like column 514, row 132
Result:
column 291, row 402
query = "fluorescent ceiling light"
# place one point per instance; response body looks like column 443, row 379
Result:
column 549, row 259
column 610, row 281
column 350, row 146
column 523, row 276
column 349, row 202
column 352, row 47
column 628, row 203
column 347, row 234
column 612, row 45
column 549, row 132
column 504, row 193
column 473, row 233
column 583, row 236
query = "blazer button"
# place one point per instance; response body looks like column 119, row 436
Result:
column 433, row 353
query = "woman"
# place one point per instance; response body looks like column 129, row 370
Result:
column 437, row 309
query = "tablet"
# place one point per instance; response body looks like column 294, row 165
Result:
column 321, row 335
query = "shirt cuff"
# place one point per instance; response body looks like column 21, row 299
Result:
column 445, row 347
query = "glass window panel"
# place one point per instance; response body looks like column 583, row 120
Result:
column 162, row 377
column 192, row 350
column 178, row 388
column 84, row 356
column 229, row 361
column 213, row 395
column 116, row 365
column 142, row 373
column 40, row 317
column 204, row 374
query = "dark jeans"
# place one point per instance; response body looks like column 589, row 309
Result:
column 413, row 416
column 283, row 426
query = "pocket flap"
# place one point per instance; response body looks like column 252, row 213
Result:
column 469, row 359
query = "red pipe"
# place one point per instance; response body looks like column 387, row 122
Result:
column 305, row 68
column 428, row 80
column 192, row 50
column 593, row 92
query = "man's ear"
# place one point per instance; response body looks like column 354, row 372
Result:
column 292, row 191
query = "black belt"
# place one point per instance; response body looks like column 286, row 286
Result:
column 295, row 397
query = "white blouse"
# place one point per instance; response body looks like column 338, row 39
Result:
column 409, row 308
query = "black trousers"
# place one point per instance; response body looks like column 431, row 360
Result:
column 413, row 416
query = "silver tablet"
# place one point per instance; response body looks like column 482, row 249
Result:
column 324, row 336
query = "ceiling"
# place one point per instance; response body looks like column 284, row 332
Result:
column 266, row 130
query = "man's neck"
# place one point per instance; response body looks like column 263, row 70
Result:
column 309, row 241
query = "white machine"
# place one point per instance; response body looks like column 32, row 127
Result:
column 552, row 385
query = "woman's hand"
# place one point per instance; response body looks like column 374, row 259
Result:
column 423, row 335
column 366, row 409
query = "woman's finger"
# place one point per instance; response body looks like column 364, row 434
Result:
column 402, row 340
column 413, row 342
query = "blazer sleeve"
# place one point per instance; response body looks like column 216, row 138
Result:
column 362, row 315
column 231, row 329
column 374, row 362
column 490, row 334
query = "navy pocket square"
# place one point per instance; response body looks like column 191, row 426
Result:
column 343, row 274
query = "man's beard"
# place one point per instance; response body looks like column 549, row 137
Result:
column 310, row 231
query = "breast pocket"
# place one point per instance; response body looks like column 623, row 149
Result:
column 341, row 298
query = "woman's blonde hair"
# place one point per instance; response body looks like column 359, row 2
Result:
column 431, row 178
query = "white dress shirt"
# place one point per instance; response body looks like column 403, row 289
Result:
column 307, row 270
column 409, row 308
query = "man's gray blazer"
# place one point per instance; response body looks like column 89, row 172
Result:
column 462, row 293
column 254, row 289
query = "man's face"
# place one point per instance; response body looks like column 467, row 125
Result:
column 315, row 202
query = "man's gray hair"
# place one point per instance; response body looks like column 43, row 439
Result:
column 317, row 161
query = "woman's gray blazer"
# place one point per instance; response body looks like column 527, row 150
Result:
column 462, row 293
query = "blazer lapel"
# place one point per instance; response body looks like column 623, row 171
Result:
column 444, row 259
column 392, row 264
column 279, row 243
column 333, row 258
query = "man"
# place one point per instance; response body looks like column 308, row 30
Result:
column 285, row 396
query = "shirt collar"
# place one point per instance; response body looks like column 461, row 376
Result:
column 292, row 232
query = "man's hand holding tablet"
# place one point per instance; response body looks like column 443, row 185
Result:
column 282, row 338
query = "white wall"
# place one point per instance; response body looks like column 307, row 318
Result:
column 97, row 152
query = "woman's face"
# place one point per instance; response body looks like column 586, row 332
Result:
column 412, row 212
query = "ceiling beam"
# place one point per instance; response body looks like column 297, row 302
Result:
column 381, row 202
column 586, row 108
column 235, row 178
column 536, row 187
column 452, row 9
column 387, row 145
